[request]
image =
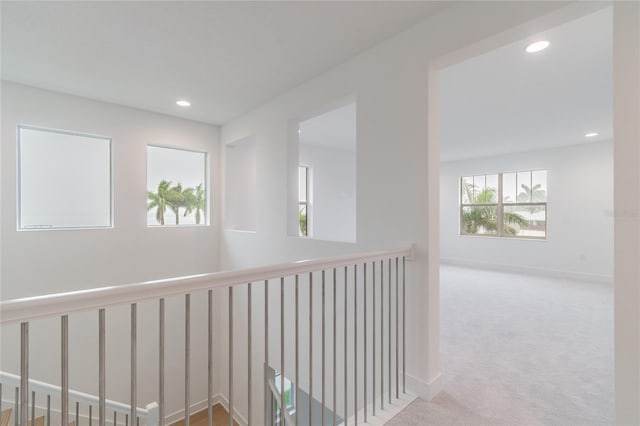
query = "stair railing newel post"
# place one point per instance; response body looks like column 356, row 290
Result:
column 153, row 414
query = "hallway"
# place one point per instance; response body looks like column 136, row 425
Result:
column 521, row 350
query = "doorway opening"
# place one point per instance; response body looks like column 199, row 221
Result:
column 526, row 227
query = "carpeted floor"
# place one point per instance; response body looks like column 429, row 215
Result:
column 521, row 350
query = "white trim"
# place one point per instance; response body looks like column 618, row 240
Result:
column 238, row 417
column 30, row 308
column 521, row 269
column 56, row 415
column 176, row 148
column 500, row 204
column 425, row 390
column 239, row 231
column 207, row 180
column 19, row 226
column 382, row 417
column 54, row 391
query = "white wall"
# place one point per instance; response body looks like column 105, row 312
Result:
column 390, row 84
column 44, row 262
column 240, row 185
column 333, row 192
column 626, row 151
column 579, row 213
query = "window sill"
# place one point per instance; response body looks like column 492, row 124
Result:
column 76, row 228
column 322, row 240
column 495, row 237
column 189, row 225
column 240, row 231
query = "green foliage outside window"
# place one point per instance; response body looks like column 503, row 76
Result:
column 191, row 200
column 302, row 219
column 483, row 219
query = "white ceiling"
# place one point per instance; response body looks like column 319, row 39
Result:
column 509, row 101
column 225, row 57
column 333, row 129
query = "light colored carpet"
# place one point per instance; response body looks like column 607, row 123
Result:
column 521, row 350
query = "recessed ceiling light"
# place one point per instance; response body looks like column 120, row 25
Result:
column 537, row 46
column 183, row 103
column 591, row 135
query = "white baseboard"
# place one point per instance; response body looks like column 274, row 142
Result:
column 202, row 405
column 519, row 269
column 171, row 418
column 425, row 390
column 56, row 415
column 382, row 417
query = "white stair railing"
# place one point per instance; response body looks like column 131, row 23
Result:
column 358, row 279
column 8, row 382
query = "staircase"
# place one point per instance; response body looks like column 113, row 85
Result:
column 323, row 338
column 220, row 417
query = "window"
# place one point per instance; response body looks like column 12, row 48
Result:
column 176, row 187
column 326, row 146
column 504, row 205
column 304, row 216
column 289, row 390
column 64, row 179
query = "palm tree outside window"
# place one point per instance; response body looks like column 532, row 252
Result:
column 176, row 192
column 504, row 205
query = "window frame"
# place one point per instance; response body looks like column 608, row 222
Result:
column 500, row 206
column 19, row 226
column 207, row 192
column 306, row 203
